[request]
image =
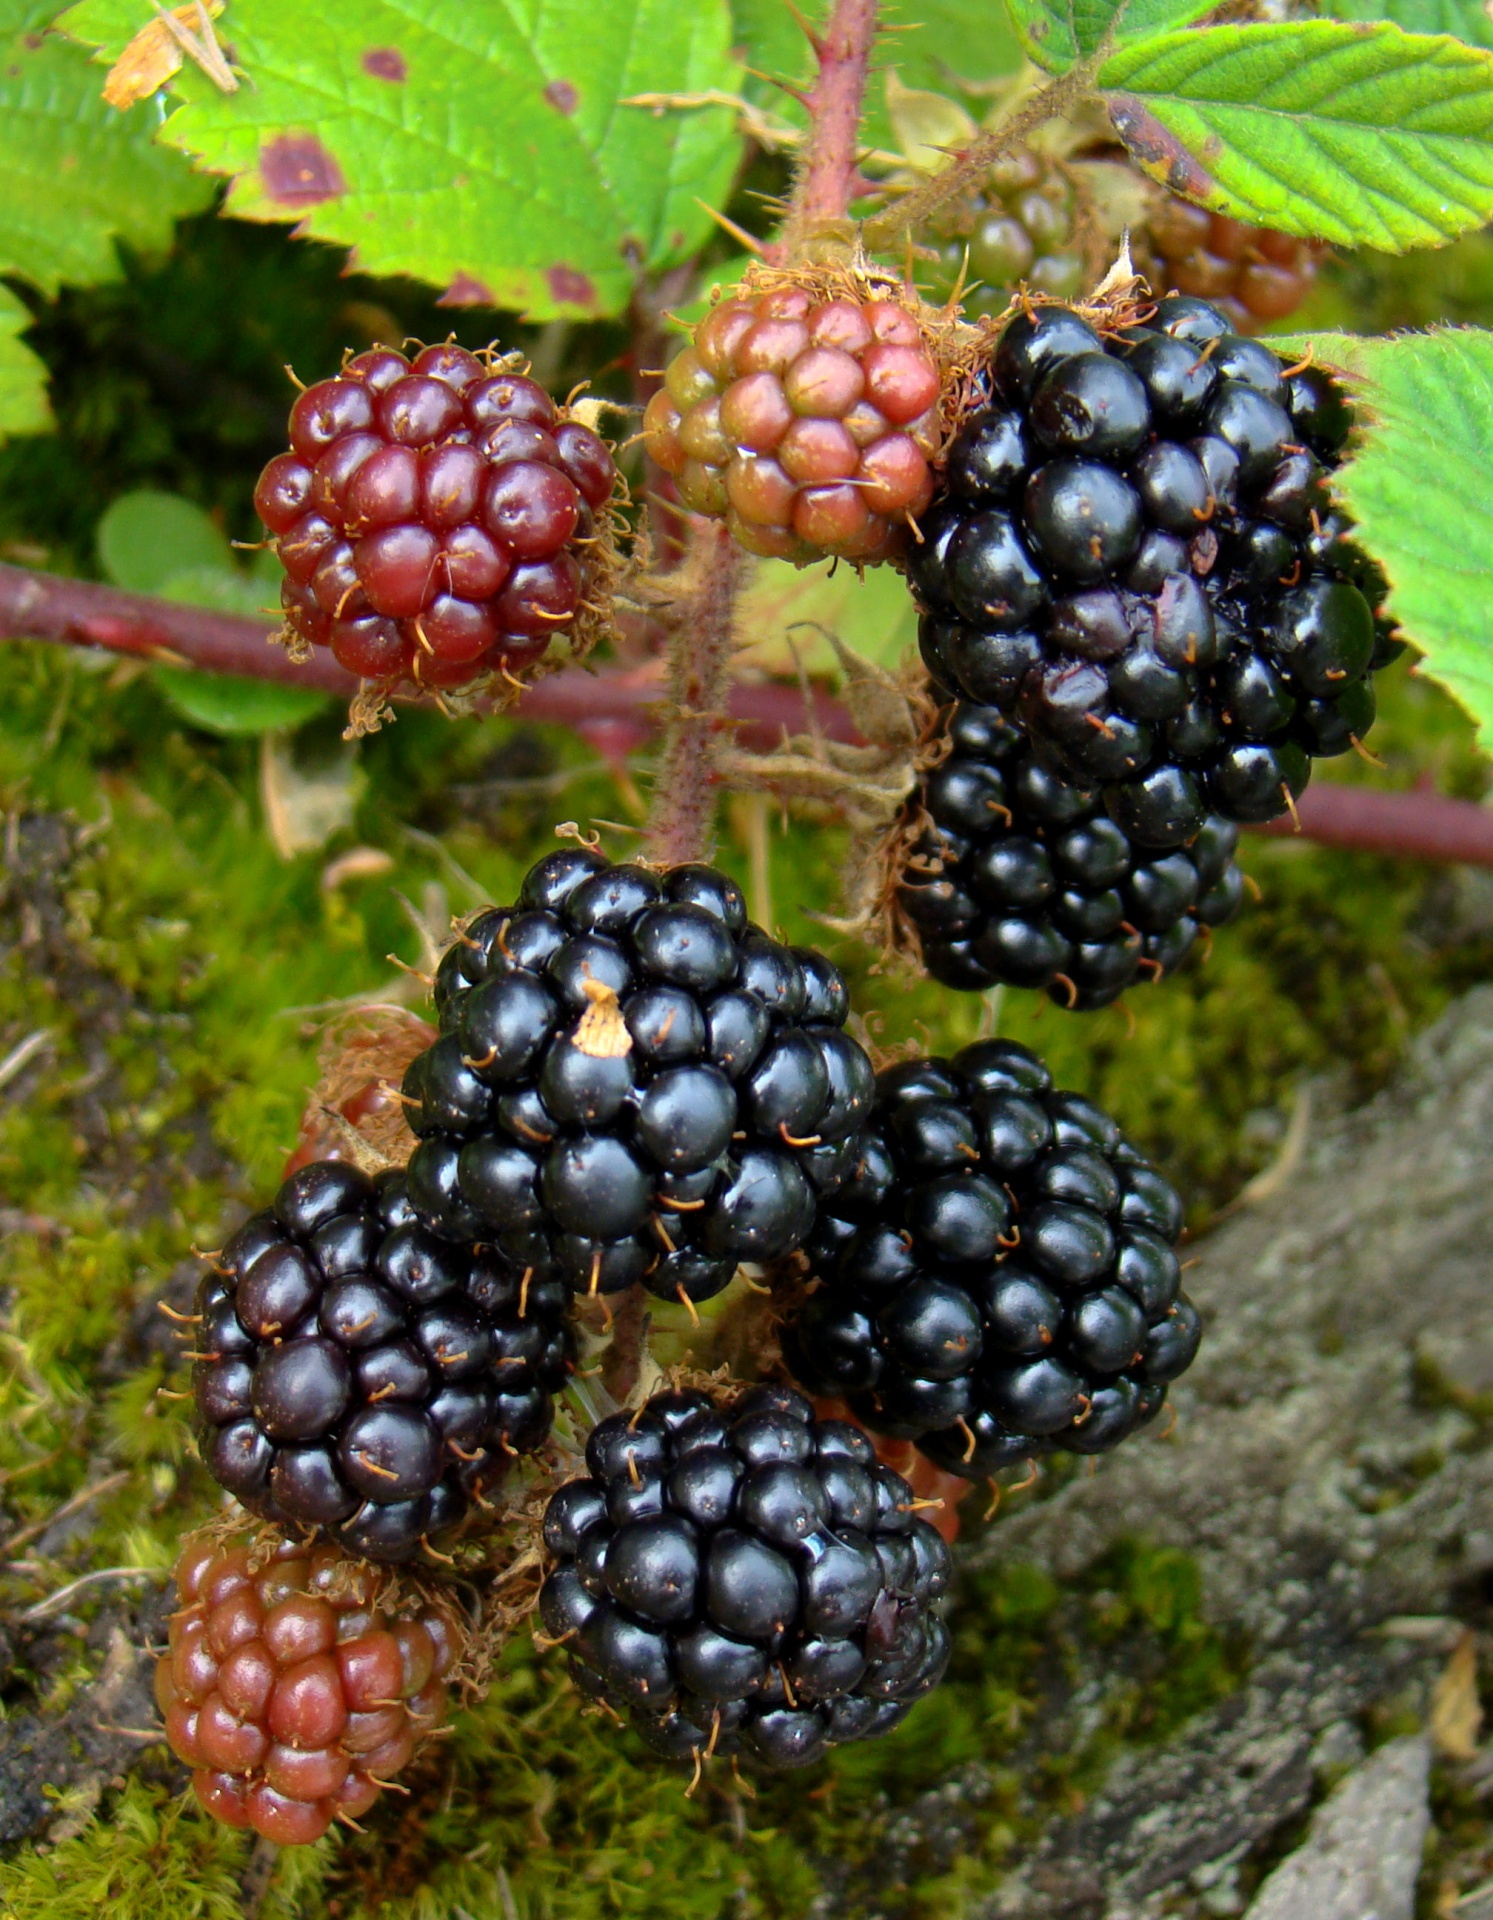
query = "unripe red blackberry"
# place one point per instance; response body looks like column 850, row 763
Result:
column 633, row 1082
column 297, row 1684
column 438, row 520
column 1004, row 872
column 356, row 1374
column 740, row 1575
column 1019, row 227
column 999, row 1277
column 1253, row 275
column 805, row 422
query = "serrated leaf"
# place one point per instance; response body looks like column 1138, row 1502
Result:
column 475, row 144
column 1361, row 135
column 24, row 407
column 1059, row 33
column 76, row 175
column 1417, row 487
column 1463, row 19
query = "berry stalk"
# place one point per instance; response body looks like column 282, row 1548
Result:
column 702, row 630
column 826, row 179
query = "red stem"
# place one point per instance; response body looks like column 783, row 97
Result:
column 826, row 182
column 630, row 701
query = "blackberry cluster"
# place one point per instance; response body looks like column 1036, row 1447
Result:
column 1022, row 226
column 744, row 1576
column 1253, row 275
column 633, row 1083
column 433, row 518
column 1135, row 553
column 806, row 425
column 1020, row 877
column 294, row 1689
column 358, row 1374
column 999, row 1277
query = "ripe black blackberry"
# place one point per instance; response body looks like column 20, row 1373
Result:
column 744, row 1576
column 998, row 1278
column 1134, row 551
column 633, row 1083
column 1020, row 877
column 357, row 1374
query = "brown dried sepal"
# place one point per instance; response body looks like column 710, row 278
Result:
column 866, row 785
column 355, row 1112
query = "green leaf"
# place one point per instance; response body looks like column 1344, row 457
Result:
column 23, row 378
column 1418, row 488
column 226, row 703
column 1462, row 19
column 1059, row 33
column 1361, row 135
column 75, row 175
column 147, row 539
column 479, row 145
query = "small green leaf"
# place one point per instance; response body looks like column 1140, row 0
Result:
column 226, row 703
column 479, row 145
column 1462, row 19
column 146, row 539
column 1418, row 488
column 1362, row 135
column 23, row 378
column 1058, row 33
column 75, row 175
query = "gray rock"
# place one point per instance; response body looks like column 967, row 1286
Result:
column 1321, row 1473
column 1362, row 1857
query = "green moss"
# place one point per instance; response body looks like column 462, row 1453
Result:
column 153, row 1860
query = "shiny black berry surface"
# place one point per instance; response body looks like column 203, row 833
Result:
column 1018, row 876
column 633, row 1082
column 739, row 1576
column 999, row 1275
column 1136, row 555
column 359, row 1375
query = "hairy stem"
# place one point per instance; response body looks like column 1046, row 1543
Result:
column 827, row 171
column 702, row 623
column 918, row 206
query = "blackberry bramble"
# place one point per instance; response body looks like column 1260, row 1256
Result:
column 297, row 1684
column 1136, row 554
column 999, row 1278
column 1021, row 226
column 437, row 520
column 1005, row 872
column 1252, row 275
column 805, row 423
column 357, row 1374
column 633, row 1083
column 741, row 1575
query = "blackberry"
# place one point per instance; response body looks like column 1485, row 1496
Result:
column 1253, row 275
column 806, row 424
column 999, row 1276
column 437, row 520
column 357, row 1374
column 1018, row 876
column 633, row 1083
column 744, row 1576
column 297, row 1685
column 1134, row 554
column 1021, row 226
